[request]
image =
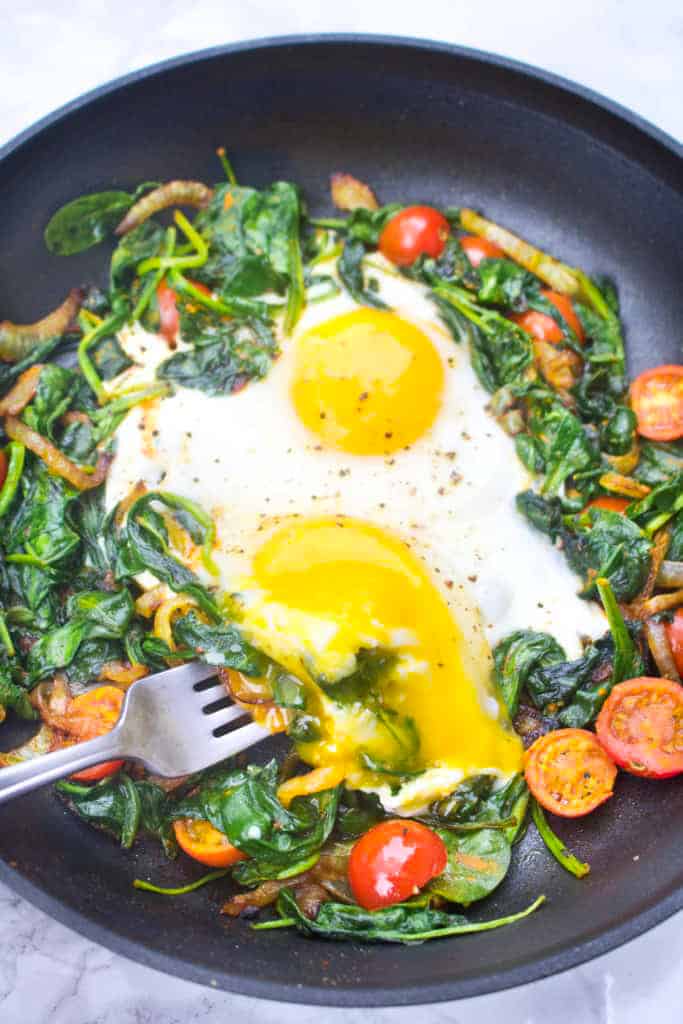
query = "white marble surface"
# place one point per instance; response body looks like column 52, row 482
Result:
column 50, row 52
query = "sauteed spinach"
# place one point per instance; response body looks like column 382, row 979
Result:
column 75, row 608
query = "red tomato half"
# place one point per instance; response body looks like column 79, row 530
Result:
column 93, row 714
column 393, row 861
column 641, row 727
column 611, row 503
column 415, row 231
column 569, row 773
column 478, row 249
column 542, row 326
column 674, row 632
column 3, row 468
column 657, row 400
column 169, row 317
column 200, row 840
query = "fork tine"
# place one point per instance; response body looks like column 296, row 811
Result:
column 217, row 719
column 239, row 739
column 211, row 695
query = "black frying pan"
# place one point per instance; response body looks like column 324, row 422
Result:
column 420, row 121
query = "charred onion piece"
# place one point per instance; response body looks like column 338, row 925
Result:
column 626, row 486
column 670, row 575
column 18, row 340
column 22, row 392
column 661, row 603
column 51, row 700
column 246, row 689
column 348, row 193
column 658, row 642
column 122, row 672
column 56, row 461
column 560, row 277
column 173, row 193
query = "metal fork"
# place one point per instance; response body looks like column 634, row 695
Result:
column 174, row 722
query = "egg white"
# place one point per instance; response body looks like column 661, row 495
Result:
column 249, row 461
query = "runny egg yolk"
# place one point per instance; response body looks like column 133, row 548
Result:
column 323, row 590
column 367, row 382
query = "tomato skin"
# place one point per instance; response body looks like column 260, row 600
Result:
column 477, row 249
column 204, row 843
column 3, row 468
column 542, row 326
column 611, row 503
column 413, row 232
column 674, row 632
column 641, row 726
column 657, row 400
column 394, row 860
column 93, row 714
column 169, row 316
column 569, row 772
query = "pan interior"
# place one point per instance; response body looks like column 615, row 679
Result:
column 427, row 124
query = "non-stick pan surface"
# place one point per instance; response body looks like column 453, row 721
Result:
column 423, row 122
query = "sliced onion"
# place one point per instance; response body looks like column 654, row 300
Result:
column 348, row 193
column 55, row 460
column 23, row 391
column 18, row 340
column 658, row 642
column 173, row 193
column 670, row 575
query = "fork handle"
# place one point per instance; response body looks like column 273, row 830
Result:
column 27, row 775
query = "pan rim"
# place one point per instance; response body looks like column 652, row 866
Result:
column 372, row 995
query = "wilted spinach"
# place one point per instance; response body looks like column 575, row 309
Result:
column 404, row 922
column 219, row 644
column 122, row 807
column 224, row 356
column 88, row 220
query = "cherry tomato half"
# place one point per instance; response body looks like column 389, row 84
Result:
column 413, row 232
column 674, row 632
column 478, row 249
column 393, row 861
column 3, row 468
column 569, row 773
column 657, row 400
column 611, row 503
column 641, row 727
column 93, row 714
column 542, row 326
column 200, row 840
column 169, row 317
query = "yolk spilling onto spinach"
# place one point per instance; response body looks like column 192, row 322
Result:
column 392, row 686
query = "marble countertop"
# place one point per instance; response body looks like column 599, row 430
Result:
column 53, row 50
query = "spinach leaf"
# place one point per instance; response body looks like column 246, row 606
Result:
column 561, row 439
column 481, row 799
column 599, row 542
column 367, row 225
column 371, row 665
column 221, row 644
column 658, row 461
column 224, row 357
column 518, row 657
column 477, row 863
column 544, row 514
column 41, row 547
column 113, row 805
column 501, row 351
column 351, row 275
column 142, row 544
column 659, row 506
column 506, row 284
column 244, row 806
column 675, row 551
column 92, row 615
column 85, row 221
column 140, row 244
column 254, row 244
column 122, row 807
column 404, row 922
column 358, row 811
column 13, row 696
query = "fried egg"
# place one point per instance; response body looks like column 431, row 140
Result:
column 364, row 502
